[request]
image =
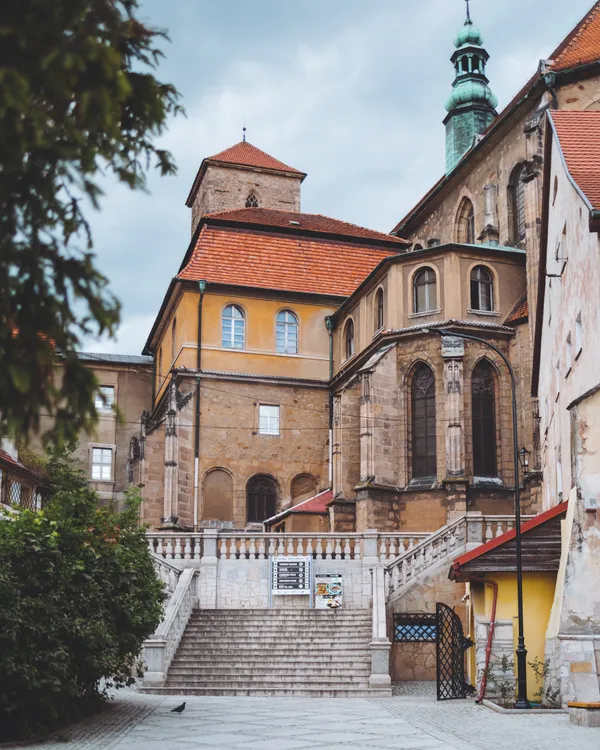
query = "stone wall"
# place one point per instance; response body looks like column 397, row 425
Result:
column 227, row 188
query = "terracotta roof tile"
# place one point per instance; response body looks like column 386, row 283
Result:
column 247, row 155
column 7, row 460
column 584, row 46
column 268, row 260
column 319, row 504
column 519, row 312
column 579, row 136
column 303, row 223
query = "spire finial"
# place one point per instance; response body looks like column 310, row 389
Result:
column 468, row 12
column 244, row 131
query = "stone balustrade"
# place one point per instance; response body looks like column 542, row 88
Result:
column 167, row 572
column 260, row 546
column 465, row 532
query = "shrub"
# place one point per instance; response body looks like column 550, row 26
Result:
column 78, row 596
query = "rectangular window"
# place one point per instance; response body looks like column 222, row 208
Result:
column 102, row 464
column 569, row 354
column 105, row 398
column 578, row 336
column 268, row 420
column 415, row 628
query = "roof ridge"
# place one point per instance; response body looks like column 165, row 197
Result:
column 575, row 34
column 230, row 155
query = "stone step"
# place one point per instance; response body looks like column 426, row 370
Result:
column 276, row 652
column 308, row 692
column 300, row 640
column 181, row 670
column 323, row 683
column 189, row 657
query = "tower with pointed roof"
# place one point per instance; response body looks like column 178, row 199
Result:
column 471, row 105
column 243, row 176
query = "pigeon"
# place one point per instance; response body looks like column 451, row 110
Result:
column 178, row 709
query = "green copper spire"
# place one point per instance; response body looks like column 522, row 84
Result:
column 471, row 105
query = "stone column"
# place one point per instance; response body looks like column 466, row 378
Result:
column 367, row 469
column 455, row 484
column 534, row 140
column 336, row 453
column 208, row 579
column 491, row 231
column 170, row 493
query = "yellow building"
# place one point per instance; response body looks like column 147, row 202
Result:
column 490, row 571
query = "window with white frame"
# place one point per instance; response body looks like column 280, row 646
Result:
column 105, row 398
column 233, row 328
column 578, row 336
column 102, row 464
column 268, row 420
column 286, row 333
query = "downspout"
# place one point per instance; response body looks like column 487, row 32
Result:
column 329, row 324
column 488, row 647
column 202, row 288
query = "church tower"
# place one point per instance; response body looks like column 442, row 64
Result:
column 243, row 176
column 472, row 105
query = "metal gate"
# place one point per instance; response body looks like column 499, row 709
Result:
column 451, row 645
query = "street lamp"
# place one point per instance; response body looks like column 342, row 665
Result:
column 521, row 651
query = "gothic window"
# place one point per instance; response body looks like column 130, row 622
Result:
column 465, row 223
column 482, row 289
column 423, row 423
column 174, row 339
column 516, row 206
column 379, row 310
column 349, row 338
column 425, row 290
column 261, row 497
column 252, row 201
column 286, row 332
column 233, row 328
column 484, row 420
column 159, row 366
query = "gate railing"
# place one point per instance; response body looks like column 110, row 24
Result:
column 472, row 528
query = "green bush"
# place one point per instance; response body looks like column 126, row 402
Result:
column 78, row 596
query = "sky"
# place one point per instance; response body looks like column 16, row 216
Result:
column 350, row 91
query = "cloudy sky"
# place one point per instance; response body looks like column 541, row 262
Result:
column 350, row 91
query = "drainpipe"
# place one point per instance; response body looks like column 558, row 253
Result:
column 488, row 646
column 329, row 324
column 202, row 288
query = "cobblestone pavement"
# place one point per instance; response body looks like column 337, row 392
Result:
column 138, row 722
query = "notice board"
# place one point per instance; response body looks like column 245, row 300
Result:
column 291, row 575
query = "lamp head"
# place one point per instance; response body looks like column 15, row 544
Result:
column 202, row 285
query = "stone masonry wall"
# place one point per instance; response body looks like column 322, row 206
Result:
column 226, row 189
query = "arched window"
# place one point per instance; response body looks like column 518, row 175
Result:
column 349, row 338
column 379, row 310
column 286, row 332
column 303, row 487
column 418, row 247
column 233, row 328
column 252, row 201
column 482, row 289
column 423, row 423
column 261, row 497
column 516, row 206
column 159, row 366
column 484, row 420
column 425, row 290
column 174, row 339
column 217, row 496
column 465, row 223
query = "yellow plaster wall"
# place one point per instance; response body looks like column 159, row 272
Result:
column 259, row 355
column 538, row 595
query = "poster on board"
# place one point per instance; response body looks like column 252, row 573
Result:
column 329, row 591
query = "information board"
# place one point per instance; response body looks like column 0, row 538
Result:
column 328, row 591
column 291, row 575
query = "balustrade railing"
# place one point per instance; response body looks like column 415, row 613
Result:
column 469, row 529
column 174, row 546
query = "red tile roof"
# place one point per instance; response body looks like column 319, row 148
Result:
column 584, row 45
column 290, row 262
column 579, row 136
column 244, row 154
column 319, row 505
column 7, row 460
column 303, row 223
column 519, row 312
column 507, row 537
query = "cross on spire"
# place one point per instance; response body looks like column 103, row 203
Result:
column 468, row 12
column 244, row 131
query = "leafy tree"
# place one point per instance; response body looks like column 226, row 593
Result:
column 78, row 99
column 78, row 596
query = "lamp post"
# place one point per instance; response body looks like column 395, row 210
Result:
column 521, row 652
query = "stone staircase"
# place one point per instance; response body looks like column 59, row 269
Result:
column 275, row 652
